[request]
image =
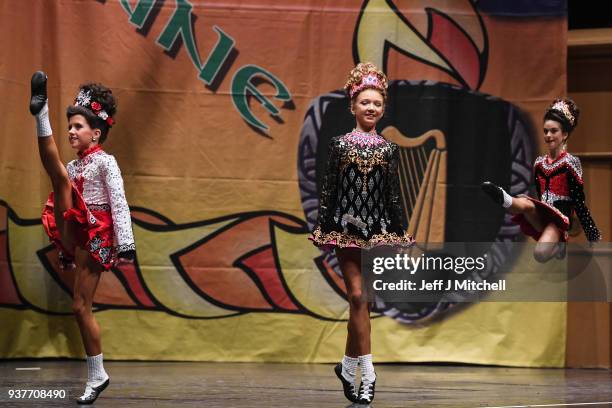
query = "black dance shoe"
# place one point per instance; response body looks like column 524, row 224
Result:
column 366, row 391
column 90, row 397
column 39, row 92
column 349, row 388
column 493, row 191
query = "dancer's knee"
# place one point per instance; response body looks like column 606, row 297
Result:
column 523, row 206
column 79, row 307
column 356, row 299
column 530, row 210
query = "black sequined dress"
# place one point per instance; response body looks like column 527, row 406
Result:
column 559, row 186
column 359, row 204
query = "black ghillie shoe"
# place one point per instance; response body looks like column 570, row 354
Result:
column 349, row 388
column 493, row 191
column 366, row 391
column 92, row 393
column 39, row 92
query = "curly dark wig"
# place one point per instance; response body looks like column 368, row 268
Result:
column 102, row 95
column 567, row 115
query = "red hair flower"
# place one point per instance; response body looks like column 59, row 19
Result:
column 96, row 106
column 110, row 121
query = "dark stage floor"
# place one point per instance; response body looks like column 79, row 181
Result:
column 154, row 384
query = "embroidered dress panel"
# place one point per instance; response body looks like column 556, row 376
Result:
column 559, row 184
column 103, row 188
column 360, row 196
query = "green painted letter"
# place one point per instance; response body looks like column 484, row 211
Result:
column 241, row 85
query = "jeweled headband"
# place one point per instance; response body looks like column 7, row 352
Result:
column 368, row 81
column 563, row 108
column 84, row 99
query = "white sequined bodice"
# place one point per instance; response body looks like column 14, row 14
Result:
column 103, row 189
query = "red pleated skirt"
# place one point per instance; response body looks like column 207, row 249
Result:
column 94, row 229
column 547, row 214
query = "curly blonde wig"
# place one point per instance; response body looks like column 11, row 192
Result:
column 366, row 76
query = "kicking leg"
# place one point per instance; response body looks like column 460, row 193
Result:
column 49, row 156
column 514, row 205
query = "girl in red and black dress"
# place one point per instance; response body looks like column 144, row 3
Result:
column 559, row 187
column 86, row 217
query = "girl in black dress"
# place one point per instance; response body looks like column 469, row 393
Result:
column 360, row 209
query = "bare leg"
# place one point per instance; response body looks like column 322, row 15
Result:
column 358, row 339
column 547, row 246
column 49, row 156
column 87, row 278
column 62, row 190
column 86, row 281
column 521, row 205
column 514, row 205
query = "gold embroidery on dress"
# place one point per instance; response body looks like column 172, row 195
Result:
column 344, row 240
column 364, row 164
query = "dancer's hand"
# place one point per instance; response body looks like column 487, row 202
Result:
column 39, row 92
column 404, row 250
column 65, row 263
column 66, row 266
column 124, row 261
column 126, row 257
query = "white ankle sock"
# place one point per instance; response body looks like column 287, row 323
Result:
column 367, row 368
column 43, row 127
column 349, row 368
column 95, row 371
column 507, row 199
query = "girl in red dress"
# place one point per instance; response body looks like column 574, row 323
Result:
column 86, row 217
column 559, row 187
